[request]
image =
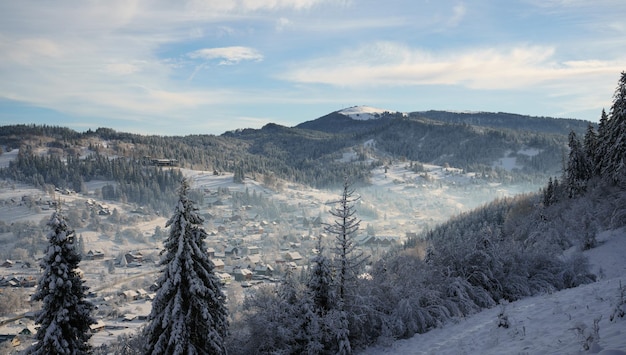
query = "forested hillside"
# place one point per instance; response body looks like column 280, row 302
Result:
column 506, row 120
column 310, row 153
column 504, row 251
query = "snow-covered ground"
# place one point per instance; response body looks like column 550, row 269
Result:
column 7, row 157
column 405, row 201
column 545, row 324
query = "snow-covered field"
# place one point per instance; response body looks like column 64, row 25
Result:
column 545, row 324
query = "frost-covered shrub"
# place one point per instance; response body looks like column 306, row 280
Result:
column 503, row 317
column 588, row 336
column 619, row 310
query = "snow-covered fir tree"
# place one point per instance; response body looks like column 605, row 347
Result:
column 612, row 149
column 320, row 292
column 348, row 261
column 320, row 282
column 189, row 314
column 65, row 318
column 600, row 148
column 578, row 169
column 590, row 145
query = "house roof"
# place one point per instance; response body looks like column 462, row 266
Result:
column 218, row 262
column 293, row 255
column 245, row 272
column 255, row 259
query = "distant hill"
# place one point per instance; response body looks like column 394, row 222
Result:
column 361, row 118
column 507, row 120
column 336, row 122
column 497, row 146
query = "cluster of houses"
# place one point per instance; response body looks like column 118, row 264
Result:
column 101, row 208
column 18, row 281
column 43, row 202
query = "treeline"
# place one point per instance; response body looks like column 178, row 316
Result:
column 509, row 121
column 600, row 158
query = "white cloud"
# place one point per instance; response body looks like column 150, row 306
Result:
column 253, row 5
column 458, row 13
column 282, row 23
column 229, row 55
column 122, row 68
column 393, row 64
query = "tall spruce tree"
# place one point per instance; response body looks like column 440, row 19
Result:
column 611, row 163
column 348, row 263
column 344, row 228
column 321, row 296
column 65, row 315
column 320, row 282
column 601, row 147
column 578, row 169
column 590, row 144
column 189, row 314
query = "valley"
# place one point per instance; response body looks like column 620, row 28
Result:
column 249, row 247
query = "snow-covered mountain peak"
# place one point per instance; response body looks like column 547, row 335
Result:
column 363, row 112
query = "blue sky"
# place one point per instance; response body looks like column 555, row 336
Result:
column 207, row 66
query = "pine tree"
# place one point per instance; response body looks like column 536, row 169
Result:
column 348, row 262
column 601, row 147
column 320, row 281
column 590, row 144
column 81, row 249
column 548, row 193
column 320, row 292
column 578, row 170
column 613, row 165
column 65, row 315
column 188, row 314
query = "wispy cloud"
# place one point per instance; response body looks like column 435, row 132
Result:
column 282, row 23
column 458, row 13
column 137, row 60
column 229, row 55
column 394, row 64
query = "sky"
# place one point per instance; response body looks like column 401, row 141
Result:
column 184, row 67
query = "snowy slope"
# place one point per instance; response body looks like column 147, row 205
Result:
column 544, row 324
column 363, row 112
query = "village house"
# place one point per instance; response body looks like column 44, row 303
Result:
column 130, row 295
column 264, row 270
column 8, row 263
column 253, row 259
column 293, row 256
column 224, row 277
column 94, row 255
column 219, row 264
column 242, row 275
column 98, row 326
column 134, row 257
column 231, row 251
